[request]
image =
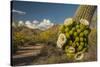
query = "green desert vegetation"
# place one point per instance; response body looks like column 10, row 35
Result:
column 25, row 36
column 81, row 40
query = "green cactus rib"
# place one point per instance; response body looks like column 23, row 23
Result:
column 85, row 12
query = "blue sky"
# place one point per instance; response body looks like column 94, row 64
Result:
column 57, row 13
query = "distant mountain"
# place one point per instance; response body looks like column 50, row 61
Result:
column 54, row 28
column 26, row 30
column 29, row 31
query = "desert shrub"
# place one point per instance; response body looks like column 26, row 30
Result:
column 27, row 37
column 14, row 47
column 50, row 54
column 48, row 37
column 18, row 38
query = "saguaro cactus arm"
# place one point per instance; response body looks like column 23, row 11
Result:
column 84, row 12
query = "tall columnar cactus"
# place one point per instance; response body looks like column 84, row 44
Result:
column 84, row 12
column 74, row 32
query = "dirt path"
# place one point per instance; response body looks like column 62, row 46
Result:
column 26, row 55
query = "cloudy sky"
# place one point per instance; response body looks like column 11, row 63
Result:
column 56, row 13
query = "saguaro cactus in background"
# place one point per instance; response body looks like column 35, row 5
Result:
column 84, row 12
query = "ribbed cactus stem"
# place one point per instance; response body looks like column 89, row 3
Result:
column 84, row 12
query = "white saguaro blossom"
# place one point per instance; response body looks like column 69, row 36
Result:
column 79, row 56
column 68, row 21
column 84, row 22
column 61, row 40
column 71, row 49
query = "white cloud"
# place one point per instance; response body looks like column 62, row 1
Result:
column 45, row 24
column 20, row 23
column 19, row 12
column 35, row 22
column 30, row 25
column 28, row 22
